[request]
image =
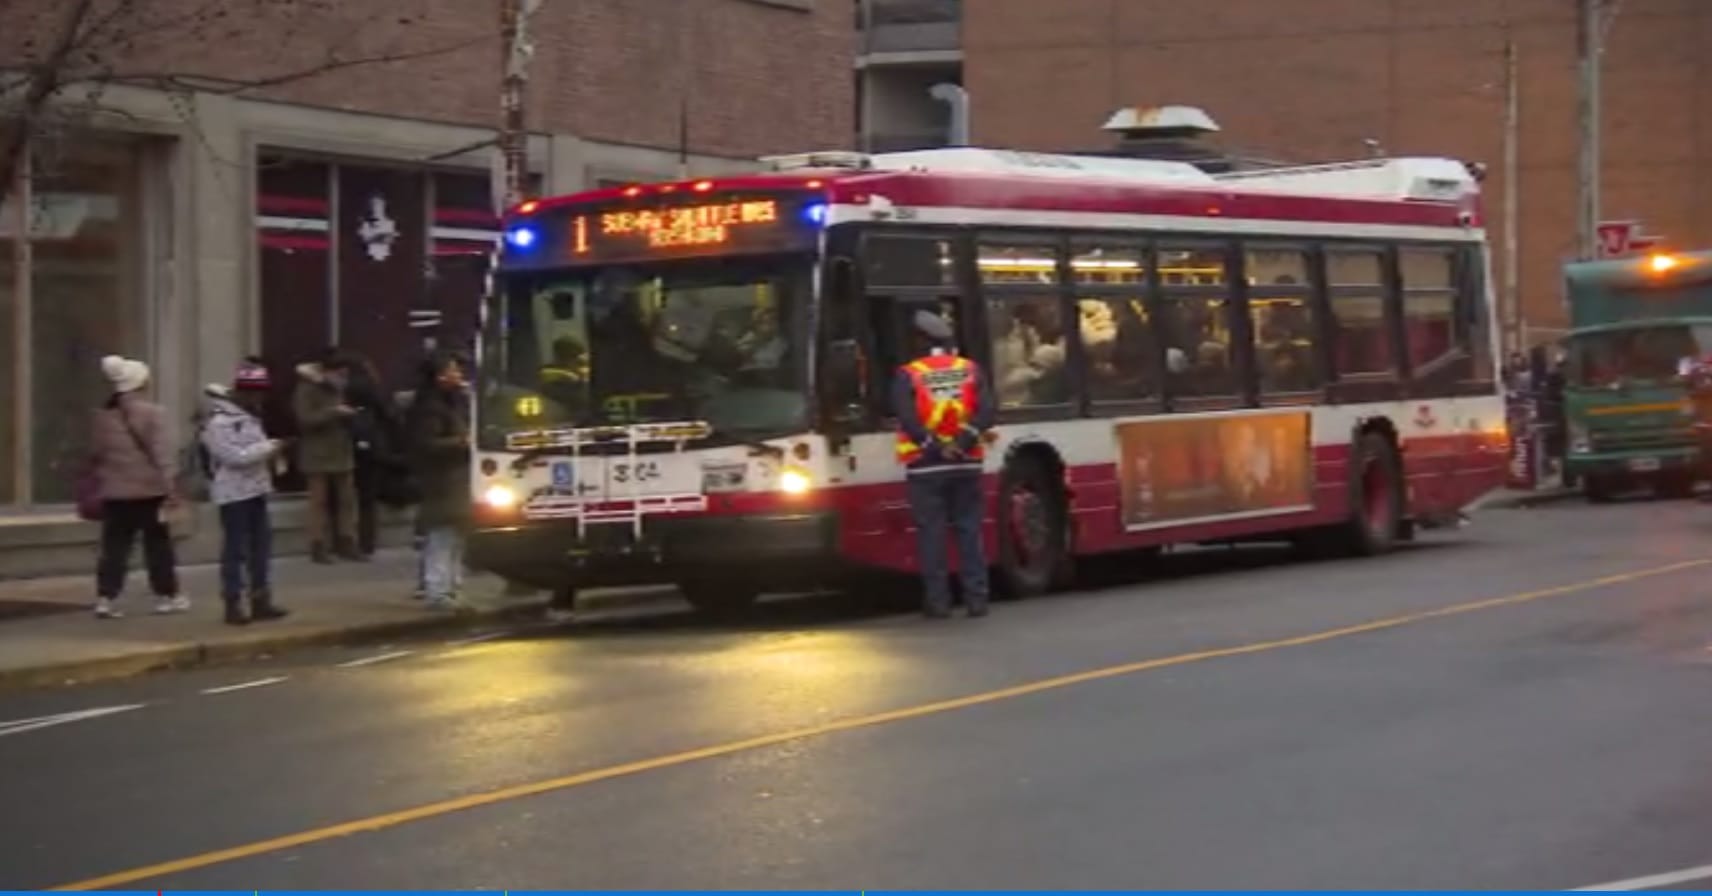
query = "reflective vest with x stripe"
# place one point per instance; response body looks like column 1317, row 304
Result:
column 945, row 389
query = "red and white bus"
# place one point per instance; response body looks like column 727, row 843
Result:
column 686, row 382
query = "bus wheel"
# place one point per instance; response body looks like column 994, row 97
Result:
column 719, row 598
column 1375, row 497
column 1599, row 489
column 1033, row 540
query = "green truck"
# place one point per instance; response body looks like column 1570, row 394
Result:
column 1638, row 328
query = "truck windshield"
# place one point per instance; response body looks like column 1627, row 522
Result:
column 1639, row 356
column 706, row 340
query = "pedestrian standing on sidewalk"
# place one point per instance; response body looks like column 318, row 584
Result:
column 134, row 471
column 242, row 455
column 327, row 456
column 439, row 427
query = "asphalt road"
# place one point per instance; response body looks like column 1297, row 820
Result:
column 1522, row 704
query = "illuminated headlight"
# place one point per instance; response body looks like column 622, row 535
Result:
column 500, row 497
column 1579, row 441
column 795, row 482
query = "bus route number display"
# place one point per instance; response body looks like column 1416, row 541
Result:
column 716, row 226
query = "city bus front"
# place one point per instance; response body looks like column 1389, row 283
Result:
column 643, row 409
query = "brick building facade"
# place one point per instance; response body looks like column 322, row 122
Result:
column 1311, row 80
column 195, row 225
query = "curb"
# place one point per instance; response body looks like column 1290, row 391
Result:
column 184, row 656
column 1528, row 500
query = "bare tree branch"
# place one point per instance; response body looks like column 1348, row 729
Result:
column 94, row 45
column 15, row 135
column 237, row 86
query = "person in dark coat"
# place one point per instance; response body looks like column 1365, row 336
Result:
column 377, row 435
column 439, row 428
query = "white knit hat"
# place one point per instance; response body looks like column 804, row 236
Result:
column 125, row 374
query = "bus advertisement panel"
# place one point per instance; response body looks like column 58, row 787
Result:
column 1229, row 467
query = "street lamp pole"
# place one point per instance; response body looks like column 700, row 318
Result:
column 1590, row 40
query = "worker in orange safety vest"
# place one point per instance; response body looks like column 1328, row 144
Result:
column 944, row 407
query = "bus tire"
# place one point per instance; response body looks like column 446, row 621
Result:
column 719, row 598
column 1032, row 531
column 1375, row 497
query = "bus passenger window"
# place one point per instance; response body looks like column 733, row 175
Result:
column 1280, row 319
column 1028, row 351
column 1429, row 304
column 1120, row 345
column 1361, row 343
column 1198, row 356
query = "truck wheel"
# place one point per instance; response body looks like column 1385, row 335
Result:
column 1375, row 497
column 1598, row 489
column 1033, row 530
column 719, row 598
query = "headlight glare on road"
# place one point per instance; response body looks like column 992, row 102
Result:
column 500, row 497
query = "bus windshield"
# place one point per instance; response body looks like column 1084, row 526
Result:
column 1639, row 356
column 694, row 340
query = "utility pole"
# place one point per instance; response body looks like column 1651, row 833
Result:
column 1513, row 333
column 513, row 141
column 1590, row 38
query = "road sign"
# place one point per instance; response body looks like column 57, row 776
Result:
column 1617, row 238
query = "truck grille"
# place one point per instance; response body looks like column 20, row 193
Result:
column 1643, row 438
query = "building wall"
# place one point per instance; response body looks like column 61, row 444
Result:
column 1312, row 79
column 754, row 75
column 188, row 278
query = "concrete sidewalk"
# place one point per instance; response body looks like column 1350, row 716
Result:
column 60, row 641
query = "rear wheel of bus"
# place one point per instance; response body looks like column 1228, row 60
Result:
column 1375, row 503
column 1033, row 529
column 1376, row 492
column 719, row 598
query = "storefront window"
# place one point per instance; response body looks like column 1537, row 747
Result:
column 85, row 275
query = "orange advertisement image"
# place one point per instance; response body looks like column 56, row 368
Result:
column 1183, row 470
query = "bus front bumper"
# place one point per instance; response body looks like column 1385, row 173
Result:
column 782, row 549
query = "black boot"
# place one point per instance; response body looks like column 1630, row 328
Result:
column 318, row 553
column 262, row 606
column 235, row 611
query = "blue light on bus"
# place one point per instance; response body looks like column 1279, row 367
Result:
column 815, row 213
column 520, row 237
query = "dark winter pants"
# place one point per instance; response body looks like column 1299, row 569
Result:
column 367, row 481
column 246, row 546
column 120, row 523
column 938, row 501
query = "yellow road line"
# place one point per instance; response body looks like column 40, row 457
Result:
column 504, row 794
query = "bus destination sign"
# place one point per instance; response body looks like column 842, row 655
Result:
column 712, row 226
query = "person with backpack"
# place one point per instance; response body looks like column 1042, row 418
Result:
column 132, row 473
column 239, row 458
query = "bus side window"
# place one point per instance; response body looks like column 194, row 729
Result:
column 1361, row 341
column 1429, row 304
column 1280, row 319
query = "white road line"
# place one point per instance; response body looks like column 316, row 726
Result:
column 1652, row 881
column 476, row 639
column 258, row 683
column 380, row 658
column 19, row 726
